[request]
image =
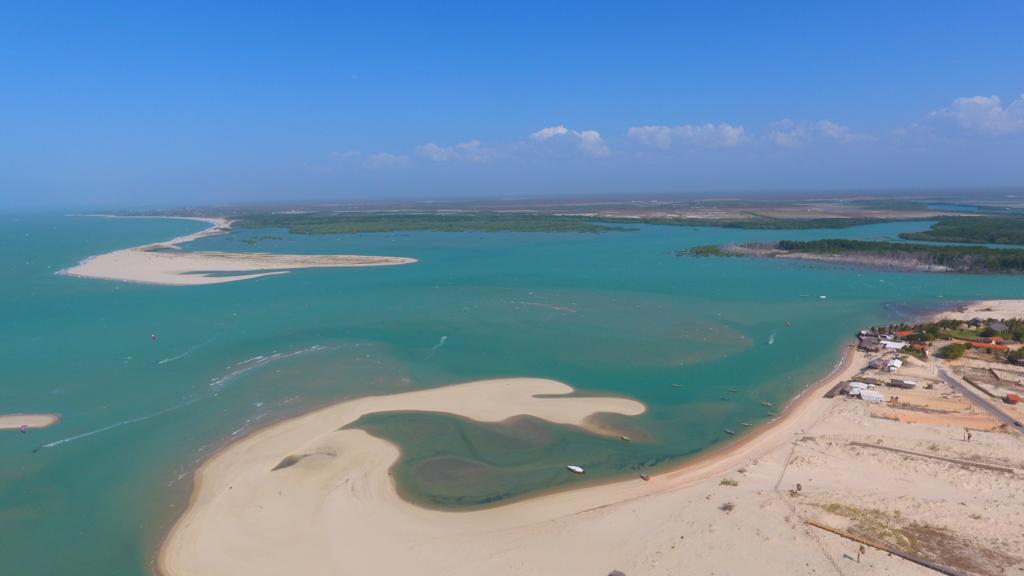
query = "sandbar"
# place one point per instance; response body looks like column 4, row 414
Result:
column 331, row 507
column 339, row 512
column 15, row 421
column 165, row 263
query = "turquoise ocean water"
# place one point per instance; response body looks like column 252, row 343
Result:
column 607, row 314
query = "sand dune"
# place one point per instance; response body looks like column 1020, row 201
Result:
column 165, row 263
column 15, row 421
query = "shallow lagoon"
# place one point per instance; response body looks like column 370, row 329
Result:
column 608, row 314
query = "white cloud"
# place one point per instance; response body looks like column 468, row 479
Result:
column 792, row 134
column 709, row 135
column 549, row 133
column 371, row 161
column 592, row 143
column 983, row 115
column 588, row 141
column 472, row 151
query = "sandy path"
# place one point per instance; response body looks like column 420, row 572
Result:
column 337, row 512
column 164, row 263
column 15, row 421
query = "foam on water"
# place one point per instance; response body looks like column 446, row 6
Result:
column 257, row 362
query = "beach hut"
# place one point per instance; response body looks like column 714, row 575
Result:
column 872, row 396
column 991, row 346
column 869, row 343
column 894, row 365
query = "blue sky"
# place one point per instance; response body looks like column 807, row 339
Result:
column 140, row 104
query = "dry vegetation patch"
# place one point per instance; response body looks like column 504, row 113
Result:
column 934, row 543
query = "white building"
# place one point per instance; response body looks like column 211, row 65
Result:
column 872, row 396
column 894, row 365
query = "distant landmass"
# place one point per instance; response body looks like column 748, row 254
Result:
column 973, row 230
column 891, row 255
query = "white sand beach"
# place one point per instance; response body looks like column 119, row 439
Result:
column 985, row 309
column 331, row 507
column 165, row 263
column 16, row 421
column 338, row 501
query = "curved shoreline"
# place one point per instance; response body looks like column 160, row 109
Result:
column 806, row 401
column 984, row 309
column 486, row 400
column 37, row 420
column 164, row 263
column 177, row 553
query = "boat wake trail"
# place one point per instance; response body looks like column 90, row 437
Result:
column 771, row 337
column 121, row 423
column 437, row 346
column 217, row 384
column 189, row 351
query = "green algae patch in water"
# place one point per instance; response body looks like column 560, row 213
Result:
column 453, row 462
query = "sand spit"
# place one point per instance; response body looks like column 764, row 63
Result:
column 165, row 263
column 340, row 514
column 331, row 508
column 985, row 309
column 16, row 421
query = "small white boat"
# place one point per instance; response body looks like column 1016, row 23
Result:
column 576, row 469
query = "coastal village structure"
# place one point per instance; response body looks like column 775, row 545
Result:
column 872, row 342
